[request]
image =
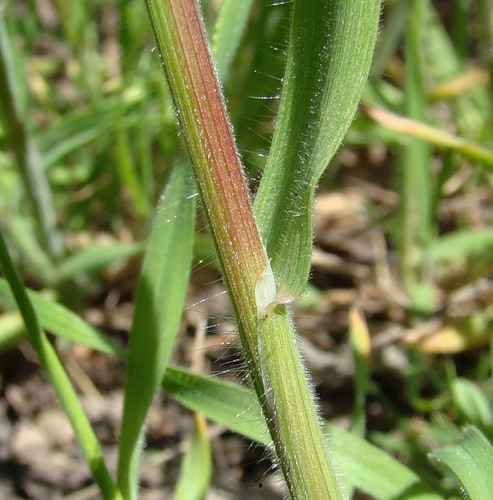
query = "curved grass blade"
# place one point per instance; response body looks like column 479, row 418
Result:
column 59, row 380
column 330, row 53
column 126, row 170
column 473, row 404
column 470, row 460
column 96, row 257
column 440, row 138
column 158, row 308
column 62, row 322
column 78, row 129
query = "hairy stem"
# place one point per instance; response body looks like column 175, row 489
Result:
column 266, row 331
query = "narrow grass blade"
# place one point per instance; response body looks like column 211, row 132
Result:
column 363, row 465
column 144, row 141
column 231, row 405
column 459, row 30
column 390, row 35
column 61, row 322
column 375, row 472
column 74, row 18
column 24, row 148
column 196, row 467
column 78, row 129
column 433, row 135
column 126, row 168
column 471, row 109
column 470, row 460
column 36, row 262
column 132, row 34
column 158, row 308
column 59, row 380
column 230, row 24
column 416, row 182
column 485, row 18
column 330, row 52
column 472, row 404
column 462, row 244
column 97, row 257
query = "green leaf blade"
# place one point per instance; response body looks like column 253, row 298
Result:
column 64, row 323
column 471, row 461
column 96, row 257
column 158, row 309
column 461, row 244
column 329, row 59
column 59, row 379
column 473, row 404
column 231, row 21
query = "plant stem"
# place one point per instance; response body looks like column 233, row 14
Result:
column 266, row 331
column 300, row 445
column 416, row 188
column 202, row 115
